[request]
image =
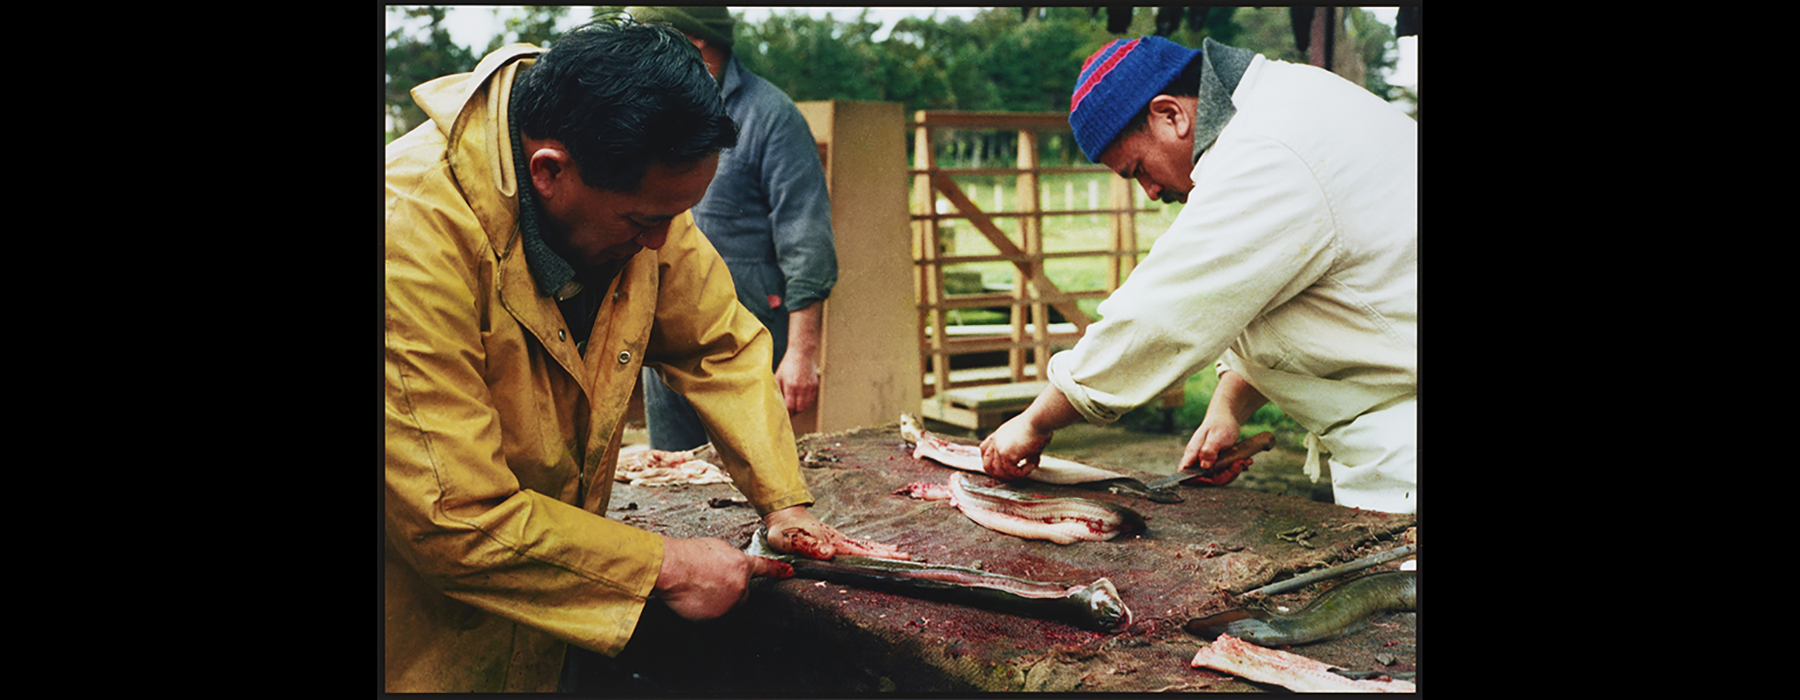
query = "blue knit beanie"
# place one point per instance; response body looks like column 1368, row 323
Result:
column 1115, row 84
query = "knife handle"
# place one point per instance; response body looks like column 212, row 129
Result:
column 1260, row 442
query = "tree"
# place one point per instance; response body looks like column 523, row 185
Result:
column 535, row 25
column 1376, row 44
column 812, row 59
column 410, row 60
column 1002, row 59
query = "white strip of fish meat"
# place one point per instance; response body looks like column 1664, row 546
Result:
column 1051, row 470
column 1292, row 671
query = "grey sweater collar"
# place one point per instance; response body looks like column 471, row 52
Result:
column 553, row 275
column 1221, row 68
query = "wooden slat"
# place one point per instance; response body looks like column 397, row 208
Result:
column 977, row 330
column 965, row 346
column 931, row 278
column 996, row 121
column 1023, row 214
column 996, row 396
column 1026, row 257
column 986, row 407
column 957, row 301
column 1005, row 245
column 1053, row 170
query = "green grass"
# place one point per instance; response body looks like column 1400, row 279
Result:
column 1199, row 390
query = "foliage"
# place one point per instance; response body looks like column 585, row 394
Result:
column 1003, row 59
column 1376, row 43
column 1199, row 389
column 815, row 59
column 537, row 26
column 410, row 60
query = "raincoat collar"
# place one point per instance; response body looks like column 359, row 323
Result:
column 470, row 109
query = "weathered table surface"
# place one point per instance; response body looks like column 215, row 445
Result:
column 807, row 636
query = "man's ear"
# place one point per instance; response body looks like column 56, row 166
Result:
column 549, row 164
column 1167, row 110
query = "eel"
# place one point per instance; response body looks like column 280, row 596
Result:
column 1059, row 520
column 1096, row 606
column 1050, row 470
column 1288, row 670
column 1333, row 613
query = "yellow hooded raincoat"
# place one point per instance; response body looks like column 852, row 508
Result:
column 502, row 436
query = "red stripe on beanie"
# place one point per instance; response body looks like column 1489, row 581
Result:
column 1101, row 72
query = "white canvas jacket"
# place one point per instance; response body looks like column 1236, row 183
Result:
column 1294, row 263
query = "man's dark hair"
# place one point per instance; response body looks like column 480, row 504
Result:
column 621, row 95
column 1185, row 85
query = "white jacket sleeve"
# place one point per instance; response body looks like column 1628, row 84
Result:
column 1256, row 231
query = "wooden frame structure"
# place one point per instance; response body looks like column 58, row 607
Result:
column 865, row 346
column 1028, row 339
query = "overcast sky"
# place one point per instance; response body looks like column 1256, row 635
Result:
column 474, row 25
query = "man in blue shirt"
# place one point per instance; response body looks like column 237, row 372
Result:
column 768, row 214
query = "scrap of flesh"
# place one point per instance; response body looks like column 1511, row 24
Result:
column 806, row 544
column 1059, row 520
column 1288, row 670
column 1050, row 470
column 642, row 466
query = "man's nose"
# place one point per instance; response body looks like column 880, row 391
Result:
column 654, row 239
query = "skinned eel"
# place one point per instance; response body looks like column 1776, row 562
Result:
column 1050, row 470
column 1333, row 613
column 1059, row 520
column 1096, row 606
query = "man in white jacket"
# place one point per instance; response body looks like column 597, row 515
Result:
column 1292, row 267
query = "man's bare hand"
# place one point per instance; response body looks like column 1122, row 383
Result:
column 1233, row 401
column 798, row 377
column 795, row 531
column 1214, row 435
column 798, row 373
column 703, row 578
column 1013, row 449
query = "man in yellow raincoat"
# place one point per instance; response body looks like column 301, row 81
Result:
column 539, row 253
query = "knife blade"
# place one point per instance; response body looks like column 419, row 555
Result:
column 1260, row 442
